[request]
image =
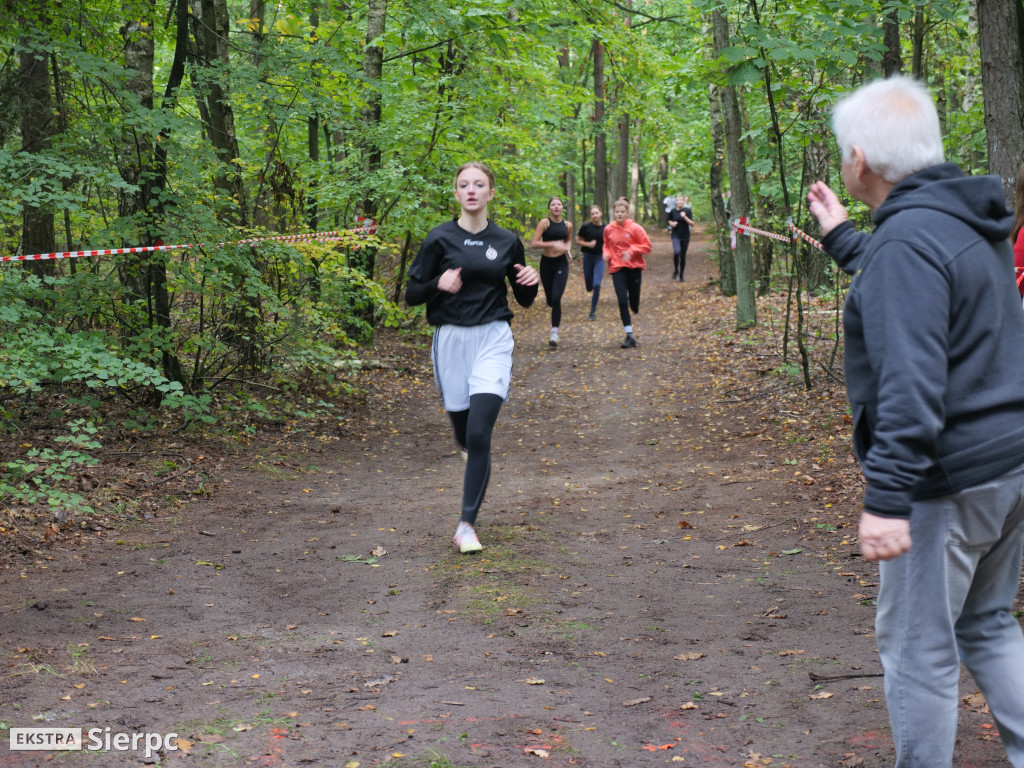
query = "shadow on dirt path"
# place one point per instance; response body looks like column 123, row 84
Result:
column 656, row 587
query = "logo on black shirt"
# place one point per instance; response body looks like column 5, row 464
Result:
column 491, row 253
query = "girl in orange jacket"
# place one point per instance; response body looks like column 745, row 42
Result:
column 625, row 245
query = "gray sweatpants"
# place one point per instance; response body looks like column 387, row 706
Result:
column 949, row 600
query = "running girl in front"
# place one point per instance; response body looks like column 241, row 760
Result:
column 591, row 242
column 554, row 238
column 460, row 273
column 625, row 245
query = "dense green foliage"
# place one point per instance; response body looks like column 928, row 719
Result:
column 137, row 154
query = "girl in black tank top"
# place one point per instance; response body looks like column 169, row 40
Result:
column 554, row 237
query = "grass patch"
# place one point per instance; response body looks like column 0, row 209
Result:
column 500, row 580
column 490, row 600
column 430, row 760
column 573, row 629
column 227, row 727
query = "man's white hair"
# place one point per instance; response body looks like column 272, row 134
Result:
column 895, row 124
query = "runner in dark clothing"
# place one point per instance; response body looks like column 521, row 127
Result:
column 680, row 219
column 591, row 242
column 553, row 237
column 461, row 273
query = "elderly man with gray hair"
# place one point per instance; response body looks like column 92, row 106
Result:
column 934, row 358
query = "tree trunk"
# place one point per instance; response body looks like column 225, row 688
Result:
column 38, row 126
column 660, row 189
column 373, row 69
column 212, row 27
column 917, row 58
column 313, row 130
column 570, row 176
column 892, row 61
column 263, row 200
column 726, row 265
column 1000, row 32
column 634, row 171
column 142, row 164
column 818, row 266
column 600, row 141
column 746, row 306
column 570, row 194
column 136, row 156
column 620, row 186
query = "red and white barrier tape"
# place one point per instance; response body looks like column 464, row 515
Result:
column 103, row 252
column 801, row 235
column 740, row 225
column 319, row 237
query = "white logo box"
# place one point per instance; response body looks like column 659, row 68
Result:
column 46, row 739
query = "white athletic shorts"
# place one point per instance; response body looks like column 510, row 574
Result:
column 470, row 360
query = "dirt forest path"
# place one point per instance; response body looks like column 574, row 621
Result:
column 657, row 586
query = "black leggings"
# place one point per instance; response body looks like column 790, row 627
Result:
column 554, row 274
column 679, row 247
column 593, row 272
column 473, row 429
column 627, row 291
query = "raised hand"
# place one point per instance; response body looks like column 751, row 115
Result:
column 825, row 207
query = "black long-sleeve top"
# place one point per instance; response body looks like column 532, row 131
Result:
column 487, row 260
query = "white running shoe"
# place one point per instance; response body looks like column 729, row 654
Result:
column 553, row 341
column 465, row 539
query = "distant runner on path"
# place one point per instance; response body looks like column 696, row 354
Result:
column 460, row 273
column 591, row 242
column 553, row 237
column 625, row 245
column 680, row 219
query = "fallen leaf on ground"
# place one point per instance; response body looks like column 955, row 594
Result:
column 976, row 700
column 634, row 702
column 689, row 705
column 791, row 653
column 690, row 656
column 536, row 751
column 821, row 695
column 535, row 681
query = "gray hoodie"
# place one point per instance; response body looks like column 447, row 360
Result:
column 934, row 339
